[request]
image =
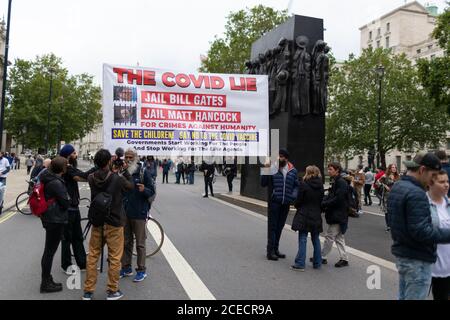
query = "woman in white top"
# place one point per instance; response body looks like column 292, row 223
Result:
column 440, row 214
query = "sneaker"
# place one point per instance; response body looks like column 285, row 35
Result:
column 87, row 296
column 140, row 276
column 297, row 268
column 114, row 295
column 341, row 263
column 126, row 272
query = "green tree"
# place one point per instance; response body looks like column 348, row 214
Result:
column 75, row 106
column 435, row 73
column 408, row 120
column 228, row 54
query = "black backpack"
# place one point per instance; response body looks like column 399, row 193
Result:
column 100, row 207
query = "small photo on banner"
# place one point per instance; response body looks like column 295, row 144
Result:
column 125, row 114
column 125, row 94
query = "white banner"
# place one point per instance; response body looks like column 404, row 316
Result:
column 161, row 112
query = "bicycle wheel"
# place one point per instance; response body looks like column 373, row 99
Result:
column 86, row 228
column 22, row 204
column 154, row 237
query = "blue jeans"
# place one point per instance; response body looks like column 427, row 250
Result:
column 191, row 178
column 301, row 255
column 414, row 279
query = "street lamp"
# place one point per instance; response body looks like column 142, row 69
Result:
column 380, row 71
column 51, row 71
column 5, row 75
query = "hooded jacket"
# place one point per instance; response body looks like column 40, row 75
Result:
column 114, row 184
column 309, row 214
column 336, row 203
column 55, row 188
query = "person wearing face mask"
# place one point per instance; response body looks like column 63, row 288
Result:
column 5, row 167
column 284, row 185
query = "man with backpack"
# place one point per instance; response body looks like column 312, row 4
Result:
column 137, row 206
column 107, row 215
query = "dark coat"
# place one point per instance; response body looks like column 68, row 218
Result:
column 308, row 203
column 285, row 191
column 113, row 184
column 412, row 230
column 336, row 203
column 210, row 169
column 135, row 202
column 55, row 188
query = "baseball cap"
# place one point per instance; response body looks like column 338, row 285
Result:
column 428, row 160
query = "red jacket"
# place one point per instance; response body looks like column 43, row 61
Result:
column 377, row 177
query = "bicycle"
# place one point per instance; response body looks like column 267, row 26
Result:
column 154, row 234
column 24, row 196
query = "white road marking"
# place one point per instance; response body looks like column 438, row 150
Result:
column 360, row 254
column 191, row 282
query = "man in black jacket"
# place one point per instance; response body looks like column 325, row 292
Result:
column 53, row 219
column 113, row 181
column 414, row 237
column 208, row 171
column 73, row 234
column 336, row 206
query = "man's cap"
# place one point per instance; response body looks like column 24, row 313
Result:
column 284, row 153
column 67, row 150
column 428, row 160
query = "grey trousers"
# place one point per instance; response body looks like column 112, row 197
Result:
column 334, row 235
column 137, row 228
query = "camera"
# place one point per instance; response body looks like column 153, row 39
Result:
column 119, row 161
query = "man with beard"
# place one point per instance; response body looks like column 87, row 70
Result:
column 283, row 184
column 136, row 208
column 73, row 234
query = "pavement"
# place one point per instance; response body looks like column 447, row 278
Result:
column 214, row 249
column 15, row 184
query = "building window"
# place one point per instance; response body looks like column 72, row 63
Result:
column 388, row 27
column 387, row 42
column 419, row 51
column 433, row 56
column 448, row 144
column 379, row 32
column 370, row 35
column 408, row 158
column 399, row 162
column 430, row 47
column 378, row 43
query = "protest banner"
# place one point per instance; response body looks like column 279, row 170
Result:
column 161, row 112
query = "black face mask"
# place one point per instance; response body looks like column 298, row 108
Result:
column 282, row 163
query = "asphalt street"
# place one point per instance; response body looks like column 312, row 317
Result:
column 213, row 250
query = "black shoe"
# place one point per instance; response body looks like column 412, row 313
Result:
column 56, row 284
column 48, row 286
column 205, row 196
column 280, row 255
column 341, row 263
column 272, row 256
column 324, row 261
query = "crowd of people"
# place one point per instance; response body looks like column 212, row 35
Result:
column 417, row 216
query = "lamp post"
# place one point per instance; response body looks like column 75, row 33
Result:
column 380, row 72
column 5, row 74
column 51, row 70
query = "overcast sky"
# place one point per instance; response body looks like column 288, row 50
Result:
column 165, row 34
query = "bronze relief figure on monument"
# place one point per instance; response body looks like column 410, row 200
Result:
column 301, row 77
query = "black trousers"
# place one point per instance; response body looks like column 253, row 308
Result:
column 208, row 182
column 230, row 178
column 165, row 177
column 275, row 223
column 53, row 235
column 440, row 288
column 73, row 237
column 367, row 188
column 28, row 169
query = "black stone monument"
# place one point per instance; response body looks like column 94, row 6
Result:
column 302, row 135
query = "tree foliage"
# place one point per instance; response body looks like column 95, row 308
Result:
column 408, row 120
column 75, row 105
column 228, row 54
column 435, row 73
